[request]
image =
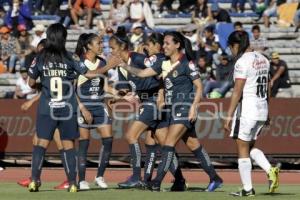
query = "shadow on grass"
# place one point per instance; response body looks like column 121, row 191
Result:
column 278, row 194
column 200, row 189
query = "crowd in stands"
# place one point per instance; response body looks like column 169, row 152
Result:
column 20, row 38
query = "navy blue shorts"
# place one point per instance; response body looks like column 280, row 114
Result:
column 46, row 125
column 100, row 117
column 148, row 114
column 179, row 115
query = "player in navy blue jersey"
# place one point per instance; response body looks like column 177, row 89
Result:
column 94, row 112
column 146, row 119
column 58, row 105
column 180, row 77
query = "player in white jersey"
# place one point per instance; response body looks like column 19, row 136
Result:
column 248, row 110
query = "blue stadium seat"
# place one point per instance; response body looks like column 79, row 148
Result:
column 245, row 14
column 219, row 1
column 223, row 30
column 45, row 17
column 106, row 2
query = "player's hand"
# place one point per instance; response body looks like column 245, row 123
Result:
column 86, row 115
column 193, row 113
column 131, row 97
column 25, row 106
column 227, row 125
column 114, row 61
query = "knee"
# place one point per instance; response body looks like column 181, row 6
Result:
column 130, row 138
column 193, row 144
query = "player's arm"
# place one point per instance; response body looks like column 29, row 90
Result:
column 143, row 73
column 84, row 111
column 25, row 106
column 276, row 76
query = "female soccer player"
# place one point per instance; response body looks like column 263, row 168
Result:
column 57, row 106
column 179, row 75
column 249, row 110
column 94, row 113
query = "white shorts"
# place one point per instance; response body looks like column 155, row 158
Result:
column 246, row 129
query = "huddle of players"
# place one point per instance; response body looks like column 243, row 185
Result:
column 168, row 113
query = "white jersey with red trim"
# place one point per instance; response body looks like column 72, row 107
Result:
column 254, row 68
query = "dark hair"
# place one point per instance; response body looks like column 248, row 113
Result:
column 184, row 44
column 42, row 43
column 55, row 49
column 242, row 39
column 238, row 23
column 79, row 51
column 209, row 29
column 255, row 27
column 121, row 37
column 115, row 3
column 83, row 43
column 203, row 11
column 156, row 38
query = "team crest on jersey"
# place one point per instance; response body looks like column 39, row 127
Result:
column 80, row 120
column 175, row 73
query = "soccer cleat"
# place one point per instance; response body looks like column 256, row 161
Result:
column 243, row 193
column 33, row 186
column 73, row 188
column 154, row 186
column 273, row 177
column 213, row 185
column 84, row 185
column 64, row 185
column 101, row 182
column 130, row 183
column 26, row 182
column 179, row 186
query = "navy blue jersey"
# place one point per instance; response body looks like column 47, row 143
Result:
column 90, row 91
column 143, row 86
column 178, row 80
column 57, row 95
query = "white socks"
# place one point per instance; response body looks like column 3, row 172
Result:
column 259, row 157
column 245, row 172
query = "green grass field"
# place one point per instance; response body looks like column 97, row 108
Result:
column 11, row 191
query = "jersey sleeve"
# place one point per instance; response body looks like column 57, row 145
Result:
column 241, row 69
column 123, row 82
column 193, row 72
column 33, row 71
column 157, row 66
column 79, row 65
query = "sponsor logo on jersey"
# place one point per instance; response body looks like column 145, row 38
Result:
column 168, row 83
column 192, row 66
column 95, row 82
column 150, row 61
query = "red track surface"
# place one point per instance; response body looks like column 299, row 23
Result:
column 115, row 176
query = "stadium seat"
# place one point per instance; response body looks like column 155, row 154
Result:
column 223, row 30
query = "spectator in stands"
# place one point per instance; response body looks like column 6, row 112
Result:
column 2, row 15
column 220, row 14
column 191, row 32
column 297, row 19
column 271, row 11
column 206, row 71
column 210, row 43
column 279, row 74
column 202, row 13
column 118, row 13
column 19, row 14
column 9, row 48
column 136, row 11
column 85, row 7
column 257, row 42
column 24, row 41
column 241, row 3
column 166, row 4
column 184, row 5
column 238, row 26
column 23, row 90
column 39, row 34
column 50, row 6
column 138, row 37
column 224, row 72
column 64, row 13
column 29, row 58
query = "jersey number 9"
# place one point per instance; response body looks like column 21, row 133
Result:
column 56, row 88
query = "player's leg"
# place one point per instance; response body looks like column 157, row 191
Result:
column 175, row 169
column 175, row 132
column 192, row 142
column 59, row 145
column 259, row 157
column 45, row 127
column 68, row 133
column 132, row 135
column 104, row 154
column 84, row 141
column 151, row 153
